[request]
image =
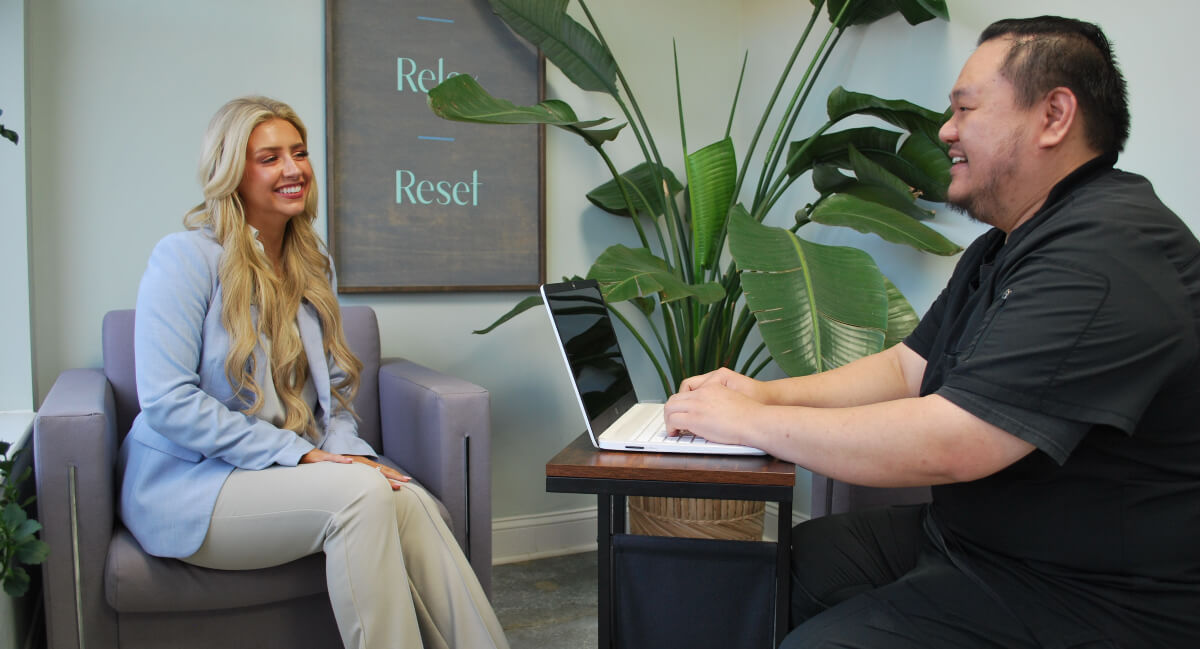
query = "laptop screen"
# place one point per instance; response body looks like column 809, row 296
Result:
column 590, row 347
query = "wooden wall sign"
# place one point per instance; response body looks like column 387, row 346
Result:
column 415, row 202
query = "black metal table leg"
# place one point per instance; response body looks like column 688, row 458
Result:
column 783, row 577
column 604, row 528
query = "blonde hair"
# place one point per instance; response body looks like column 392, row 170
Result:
column 248, row 279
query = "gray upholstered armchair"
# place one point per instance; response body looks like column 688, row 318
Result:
column 103, row 592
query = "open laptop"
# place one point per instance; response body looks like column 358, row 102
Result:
column 616, row 420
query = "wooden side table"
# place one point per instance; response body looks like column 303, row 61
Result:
column 614, row 475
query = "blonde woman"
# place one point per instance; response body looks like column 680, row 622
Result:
column 245, row 453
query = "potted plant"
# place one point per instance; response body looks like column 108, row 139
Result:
column 708, row 270
column 19, row 544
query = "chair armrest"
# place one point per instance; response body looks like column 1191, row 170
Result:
column 438, row 428
column 74, row 454
column 831, row 496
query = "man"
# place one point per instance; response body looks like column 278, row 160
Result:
column 1051, row 394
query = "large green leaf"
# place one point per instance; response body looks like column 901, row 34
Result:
column 864, row 12
column 566, row 43
column 626, row 273
column 881, row 195
column 920, row 163
column 872, row 173
column 860, row 12
column 874, row 183
column 875, row 218
column 460, row 98
column 642, row 181
column 928, row 168
column 902, row 318
column 817, row 306
column 843, row 103
column 936, row 7
column 832, row 148
column 712, row 175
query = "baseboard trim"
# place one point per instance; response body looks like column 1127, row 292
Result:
column 538, row 536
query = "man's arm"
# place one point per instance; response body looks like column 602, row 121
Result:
column 894, row 373
column 861, row 423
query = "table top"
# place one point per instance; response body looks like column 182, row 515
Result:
column 582, row 460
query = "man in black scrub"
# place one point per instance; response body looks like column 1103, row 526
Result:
column 1051, row 395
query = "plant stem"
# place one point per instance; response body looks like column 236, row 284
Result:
column 633, row 212
column 787, row 69
column 662, row 376
column 641, row 131
column 794, row 116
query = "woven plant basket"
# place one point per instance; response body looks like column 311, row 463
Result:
column 698, row 518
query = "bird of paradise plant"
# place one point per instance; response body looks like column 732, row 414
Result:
column 708, row 269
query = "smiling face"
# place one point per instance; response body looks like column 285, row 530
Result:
column 277, row 177
column 989, row 138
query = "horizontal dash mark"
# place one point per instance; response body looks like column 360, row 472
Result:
column 432, row 137
column 435, row 20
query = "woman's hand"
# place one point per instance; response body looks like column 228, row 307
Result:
column 394, row 477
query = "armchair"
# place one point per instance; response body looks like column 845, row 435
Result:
column 831, row 496
column 102, row 591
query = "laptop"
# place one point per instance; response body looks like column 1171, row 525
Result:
column 616, row 419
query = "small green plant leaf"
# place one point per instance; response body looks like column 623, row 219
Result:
column 16, row 583
column 625, row 273
column 640, row 182
column 12, row 516
column 32, row 552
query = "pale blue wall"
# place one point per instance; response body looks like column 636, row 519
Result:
column 121, row 90
column 16, row 362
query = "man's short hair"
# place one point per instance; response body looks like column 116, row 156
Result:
column 1050, row 52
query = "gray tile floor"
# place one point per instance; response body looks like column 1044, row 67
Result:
column 547, row 603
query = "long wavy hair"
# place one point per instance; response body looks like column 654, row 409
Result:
column 258, row 301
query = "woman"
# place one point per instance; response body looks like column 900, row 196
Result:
column 245, row 453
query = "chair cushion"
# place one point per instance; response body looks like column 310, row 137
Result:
column 136, row 582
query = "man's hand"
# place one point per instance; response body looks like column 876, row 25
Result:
column 744, row 385
column 714, row 407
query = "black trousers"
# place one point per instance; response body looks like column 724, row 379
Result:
column 884, row 578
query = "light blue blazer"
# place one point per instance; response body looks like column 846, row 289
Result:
column 190, row 434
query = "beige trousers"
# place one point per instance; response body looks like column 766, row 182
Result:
column 396, row 577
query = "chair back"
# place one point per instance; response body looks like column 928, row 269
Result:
column 362, row 334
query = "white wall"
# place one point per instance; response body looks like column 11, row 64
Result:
column 16, row 370
column 121, row 90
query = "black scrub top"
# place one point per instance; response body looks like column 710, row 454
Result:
column 1079, row 334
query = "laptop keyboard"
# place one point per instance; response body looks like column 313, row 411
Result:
column 655, row 430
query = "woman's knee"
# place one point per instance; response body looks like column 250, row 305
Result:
column 362, row 491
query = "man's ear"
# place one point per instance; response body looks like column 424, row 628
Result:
column 1060, row 112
